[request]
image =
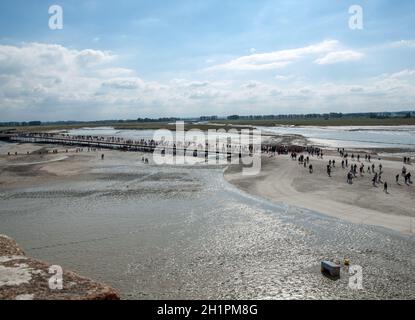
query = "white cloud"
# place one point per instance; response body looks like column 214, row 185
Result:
column 403, row 74
column 280, row 77
column 123, row 83
column 404, row 43
column 251, row 85
column 277, row 59
column 339, row 56
column 52, row 82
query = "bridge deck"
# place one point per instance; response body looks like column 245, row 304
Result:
column 123, row 145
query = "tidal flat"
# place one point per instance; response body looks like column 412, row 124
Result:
column 177, row 232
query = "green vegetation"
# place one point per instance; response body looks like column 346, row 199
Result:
column 233, row 121
column 117, row 125
column 346, row 121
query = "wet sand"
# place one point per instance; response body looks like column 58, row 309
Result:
column 160, row 232
column 284, row 180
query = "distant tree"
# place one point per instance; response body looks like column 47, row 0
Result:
column 34, row 123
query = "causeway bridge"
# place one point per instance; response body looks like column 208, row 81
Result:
column 140, row 145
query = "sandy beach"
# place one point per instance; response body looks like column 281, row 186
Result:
column 284, row 180
column 172, row 232
column 281, row 180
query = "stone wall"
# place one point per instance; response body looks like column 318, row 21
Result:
column 24, row 278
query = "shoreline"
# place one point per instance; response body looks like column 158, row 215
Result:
column 283, row 180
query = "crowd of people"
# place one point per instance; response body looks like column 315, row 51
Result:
column 371, row 169
column 352, row 162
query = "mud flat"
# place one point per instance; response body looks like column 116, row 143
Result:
column 183, row 232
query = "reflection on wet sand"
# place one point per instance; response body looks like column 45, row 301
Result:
column 184, row 232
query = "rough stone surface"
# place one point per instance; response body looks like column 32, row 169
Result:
column 24, row 278
column 9, row 247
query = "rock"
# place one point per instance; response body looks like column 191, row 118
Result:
column 9, row 247
column 24, row 278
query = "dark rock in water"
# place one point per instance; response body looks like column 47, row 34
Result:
column 24, row 278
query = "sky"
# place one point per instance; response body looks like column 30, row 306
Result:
column 127, row 59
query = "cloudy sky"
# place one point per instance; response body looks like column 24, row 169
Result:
column 140, row 58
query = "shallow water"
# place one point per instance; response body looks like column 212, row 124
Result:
column 354, row 137
column 3, row 146
column 172, row 232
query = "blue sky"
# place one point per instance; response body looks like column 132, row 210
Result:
column 130, row 59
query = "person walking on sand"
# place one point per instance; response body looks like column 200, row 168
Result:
column 102, row 156
column 329, row 170
column 385, row 187
column 397, row 178
column 349, row 178
column 310, row 168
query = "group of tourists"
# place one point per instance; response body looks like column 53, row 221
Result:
column 406, row 175
column 371, row 169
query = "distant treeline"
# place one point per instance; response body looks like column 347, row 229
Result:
column 100, row 122
column 332, row 115
column 21, row 124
